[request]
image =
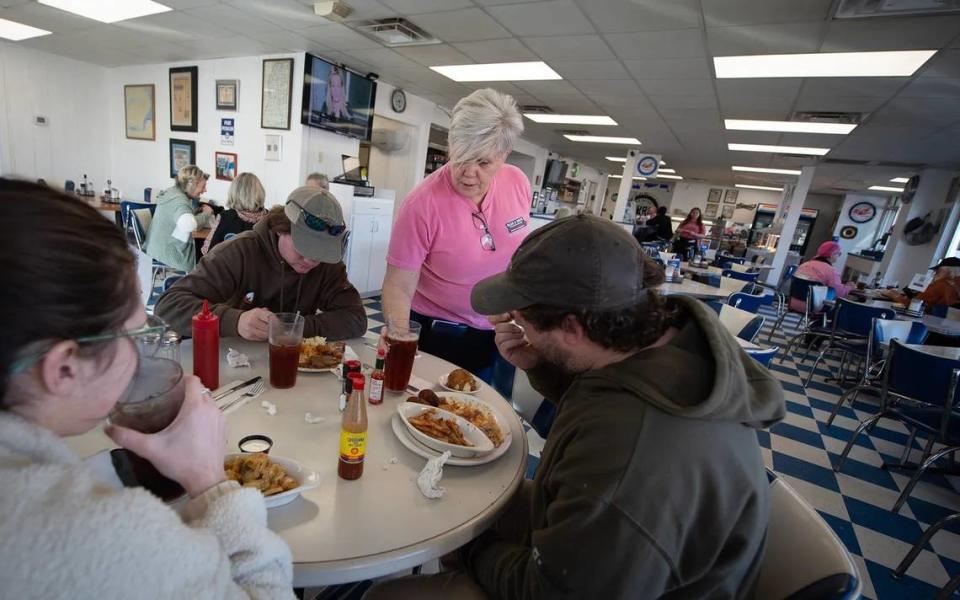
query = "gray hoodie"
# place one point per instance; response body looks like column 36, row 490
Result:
column 651, row 483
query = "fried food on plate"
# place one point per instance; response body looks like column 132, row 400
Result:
column 446, row 430
column 317, row 353
column 462, row 380
column 255, row 470
column 480, row 417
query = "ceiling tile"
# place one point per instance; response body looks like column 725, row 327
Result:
column 739, row 106
column 669, row 68
column 813, row 140
column 570, row 104
column 284, row 39
column 506, row 50
column 231, row 20
column 558, row 17
column 784, row 86
column 607, row 86
column 590, row 69
column 438, row 54
column 638, row 102
column 175, row 25
column 288, row 14
column 339, row 37
column 44, row 17
column 853, row 86
column 496, row 2
column 918, row 33
column 919, row 112
column 461, row 25
column 752, row 137
column 932, row 87
column 721, row 13
column 680, row 43
column 685, row 87
column 808, row 102
column 413, row 7
column 674, row 112
column 383, row 58
column 765, row 39
column 181, row 4
column 945, row 63
column 547, row 87
column 363, row 10
column 580, row 47
column 617, row 16
column 502, row 86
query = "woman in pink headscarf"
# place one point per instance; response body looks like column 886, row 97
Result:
column 820, row 268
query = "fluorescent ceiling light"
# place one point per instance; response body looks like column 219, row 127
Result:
column 883, row 188
column 603, row 139
column 11, row 30
column 518, row 71
column 824, row 64
column 659, row 176
column 765, row 170
column 109, row 11
column 778, row 149
column 788, row 126
column 758, row 187
column 666, row 171
column 638, row 178
column 616, row 158
column 899, row 180
column 570, row 119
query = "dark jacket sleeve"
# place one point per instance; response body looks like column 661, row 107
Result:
column 341, row 314
column 216, row 280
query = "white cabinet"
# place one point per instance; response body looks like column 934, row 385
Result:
column 371, row 221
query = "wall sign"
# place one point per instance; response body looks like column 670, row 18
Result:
column 648, row 165
column 849, row 232
column 862, row 212
column 226, row 132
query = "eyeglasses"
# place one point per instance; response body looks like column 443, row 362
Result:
column 486, row 240
column 153, row 330
column 317, row 224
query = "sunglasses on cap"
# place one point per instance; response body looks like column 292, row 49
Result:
column 316, row 223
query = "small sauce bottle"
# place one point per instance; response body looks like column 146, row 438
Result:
column 376, row 379
column 353, row 434
column 206, row 347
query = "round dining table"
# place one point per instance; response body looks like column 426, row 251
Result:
column 695, row 289
column 344, row 531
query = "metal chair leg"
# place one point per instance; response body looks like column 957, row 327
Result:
column 815, row 363
column 776, row 324
column 908, row 447
column 853, row 438
column 918, row 546
column 946, row 592
column 840, row 401
column 932, row 458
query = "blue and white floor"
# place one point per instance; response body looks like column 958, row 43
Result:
column 856, row 502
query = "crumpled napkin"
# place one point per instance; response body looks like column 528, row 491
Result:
column 430, row 476
column 312, row 420
column 270, row 406
column 236, row 359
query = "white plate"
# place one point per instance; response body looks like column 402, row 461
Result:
column 480, row 443
column 400, row 430
column 334, row 370
column 465, row 398
column 307, row 478
column 443, row 383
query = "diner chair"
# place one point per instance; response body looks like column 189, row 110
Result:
column 136, row 218
column 939, row 310
column 751, row 277
column 800, row 289
column 920, row 391
column 69, row 186
column 883, row 330
column 951, row 586
column 725, row 260
column 852, row 324
column 742, row 268
column 749, row 302
column 764, row 356
column 742, row 324
column 803, row 559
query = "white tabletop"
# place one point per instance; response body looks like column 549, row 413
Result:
column 347, row 531
column 942, row 351
column 687, row 267
column 747, row 345
column 941, row 325
column 701, row 290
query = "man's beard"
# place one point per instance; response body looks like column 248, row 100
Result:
column 557, row 362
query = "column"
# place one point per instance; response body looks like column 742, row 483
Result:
column 791, row 217
column 626, row 184
column 601, row 195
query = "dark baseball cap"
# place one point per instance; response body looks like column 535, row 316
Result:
column 947, row 262
column 323, row 211
column 582, row 262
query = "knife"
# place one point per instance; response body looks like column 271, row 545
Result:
column 234, row 388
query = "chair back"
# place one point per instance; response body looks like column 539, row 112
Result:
column 804, row 558
column 908, row 332
column 765, row 356
column 724, row 261
column 938, row 310
column 740, row 323
column 665, row 256
column 69, row 185
column 857, row 319
column 739, row 275
column 749, row 302
column 921, row 376
column 136, row 218
column 741, row 268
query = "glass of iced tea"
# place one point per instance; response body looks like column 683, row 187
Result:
column 285, row 335
column 402, row 338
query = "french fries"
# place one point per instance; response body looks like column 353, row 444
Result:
column 256, row 471
column 435, row 426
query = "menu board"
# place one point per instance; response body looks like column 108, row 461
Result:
column 276, row 94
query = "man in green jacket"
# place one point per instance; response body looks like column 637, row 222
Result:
column 651, row 483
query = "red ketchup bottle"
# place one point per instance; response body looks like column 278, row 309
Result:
column 206, row 347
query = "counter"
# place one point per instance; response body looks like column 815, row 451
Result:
column 538, row 220
column 857, row 266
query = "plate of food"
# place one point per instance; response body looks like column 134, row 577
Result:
column 279, row 479
column 460, row 380
column 317, row 355
column 444, row 431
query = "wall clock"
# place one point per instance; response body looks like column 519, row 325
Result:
column 398, row 100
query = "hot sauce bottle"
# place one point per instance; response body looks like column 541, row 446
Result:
column 206, row 347
column 376, row 379
column 353, row 434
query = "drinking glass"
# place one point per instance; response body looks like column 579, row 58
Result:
column 402, row 339
column 285, row 336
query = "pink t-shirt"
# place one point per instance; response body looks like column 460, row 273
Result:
column 435, row 234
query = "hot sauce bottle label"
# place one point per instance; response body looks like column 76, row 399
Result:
column 352, row 446
column 376, row 391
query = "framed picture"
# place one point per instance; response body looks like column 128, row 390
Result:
column 862, row 212
column 714, row 196
column 730, row 198
column 227, row 93
column 183, row 99
column 225, row 165
column 712, row 207
column 727, row 211
column 273, row 147
column 182, row 153
column 138, row 112
column 276, row 93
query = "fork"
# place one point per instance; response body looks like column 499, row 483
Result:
column 252, row 391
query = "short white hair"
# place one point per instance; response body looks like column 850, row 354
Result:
column 484, row 124
column 322, row 181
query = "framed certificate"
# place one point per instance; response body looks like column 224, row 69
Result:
column 182, row 153
column 227, row 91
column 183, row 99
column 276, row 93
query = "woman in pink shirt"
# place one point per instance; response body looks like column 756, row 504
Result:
column 820, row 269
column 689, row 232
column 460, row 225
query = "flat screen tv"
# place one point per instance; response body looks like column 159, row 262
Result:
column 337, row 99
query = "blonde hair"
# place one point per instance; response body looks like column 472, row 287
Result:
column 321, row 179
column 188, row 177
column 246, row 193
column 484, row 124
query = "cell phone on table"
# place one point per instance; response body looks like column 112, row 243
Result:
column 448, row 327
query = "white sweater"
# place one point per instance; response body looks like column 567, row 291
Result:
column 62, row 535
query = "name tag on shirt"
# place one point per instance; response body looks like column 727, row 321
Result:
column 516, row 225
